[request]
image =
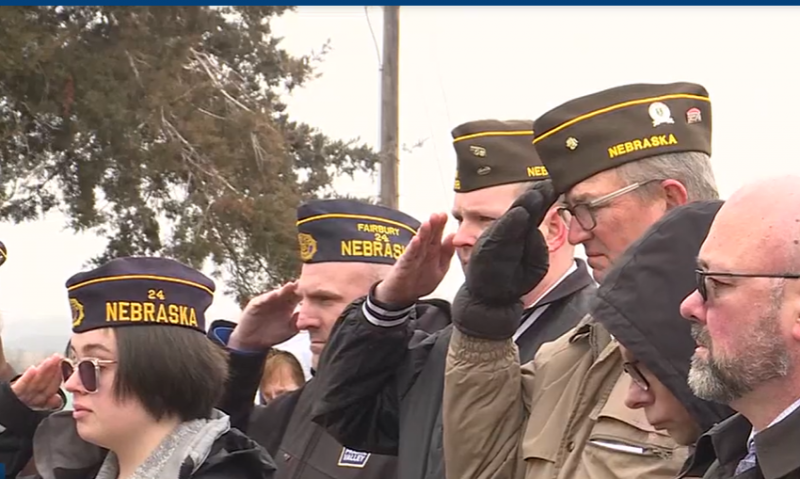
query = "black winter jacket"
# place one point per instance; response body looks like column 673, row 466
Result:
column 301, row 448
column 383, row 386
column 18, row 424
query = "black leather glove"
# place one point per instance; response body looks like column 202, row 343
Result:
column 508, row 261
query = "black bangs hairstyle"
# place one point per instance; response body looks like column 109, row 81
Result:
column 172, row 371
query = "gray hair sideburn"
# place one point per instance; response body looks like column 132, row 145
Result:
column 691, row 168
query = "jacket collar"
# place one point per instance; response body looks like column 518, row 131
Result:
column 726, row 442
column 575, row 281
column 777, row 445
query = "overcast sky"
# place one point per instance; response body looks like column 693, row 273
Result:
column 464, row 63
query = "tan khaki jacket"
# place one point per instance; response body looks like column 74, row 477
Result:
column 559, row 416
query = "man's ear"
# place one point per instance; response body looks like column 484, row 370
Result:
column 674, row 193
column 554, row 230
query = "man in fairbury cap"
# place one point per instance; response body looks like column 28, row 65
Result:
column 377, row 360
column 346, row 246
column 623, row 157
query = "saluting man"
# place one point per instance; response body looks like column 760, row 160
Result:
column 377, row 354
column 623, row 158
column 346, row 246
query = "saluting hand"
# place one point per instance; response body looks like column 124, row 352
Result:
column 509, row 260
column 267, row 319
column 422, row 266
column 38, row 386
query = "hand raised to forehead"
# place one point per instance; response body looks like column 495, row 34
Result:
column 38, row 386
column 268, row 319
column 511, row 257
column 422, row 266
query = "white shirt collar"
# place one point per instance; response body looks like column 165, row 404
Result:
column 786, row 412
column 539, row 310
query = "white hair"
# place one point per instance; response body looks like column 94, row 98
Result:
column 691, row 168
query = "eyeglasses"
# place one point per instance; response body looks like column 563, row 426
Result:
column 88, row 371
column 584, row 212
column 702, row 286
column 636, row 375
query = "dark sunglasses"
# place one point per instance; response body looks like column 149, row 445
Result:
column 88, row 371
column 636, row 375
column 702, row 286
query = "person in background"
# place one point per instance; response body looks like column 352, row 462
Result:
column 7, row 373
column 14, row 452
column 282, row 374
column 145, row 379
column 639, row 304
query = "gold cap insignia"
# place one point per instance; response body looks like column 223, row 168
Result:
column 77, row 312
column 478, row 151
column 572, row 143
column 308, row 246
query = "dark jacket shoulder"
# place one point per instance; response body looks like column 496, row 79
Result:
column 235, row 456
column 268, row 423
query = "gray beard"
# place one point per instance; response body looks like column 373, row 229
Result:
column 726, row 379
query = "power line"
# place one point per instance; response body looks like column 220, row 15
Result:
column 374, row 39
column 435, row 55
column 436, row 154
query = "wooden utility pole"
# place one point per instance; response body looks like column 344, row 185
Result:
column 390, row 99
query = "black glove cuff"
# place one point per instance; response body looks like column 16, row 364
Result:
column 487, row 321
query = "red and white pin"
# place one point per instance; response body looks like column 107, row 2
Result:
column 693, row 115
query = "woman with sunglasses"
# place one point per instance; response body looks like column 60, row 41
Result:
column 144, row 380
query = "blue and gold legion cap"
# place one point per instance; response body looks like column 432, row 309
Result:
column 352, row 231
column 139, row 291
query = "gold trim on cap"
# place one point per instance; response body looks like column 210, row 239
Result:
column 356, row 217
column 493, row 133
column 617, row 106
column 141, row 276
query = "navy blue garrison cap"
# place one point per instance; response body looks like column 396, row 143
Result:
column 139, row 291
column 352, row 231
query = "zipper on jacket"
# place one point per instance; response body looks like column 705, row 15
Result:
column 647, row 449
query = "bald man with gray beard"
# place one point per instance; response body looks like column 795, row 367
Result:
column 746, row 322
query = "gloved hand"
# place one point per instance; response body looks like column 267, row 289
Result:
column 509, row 259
